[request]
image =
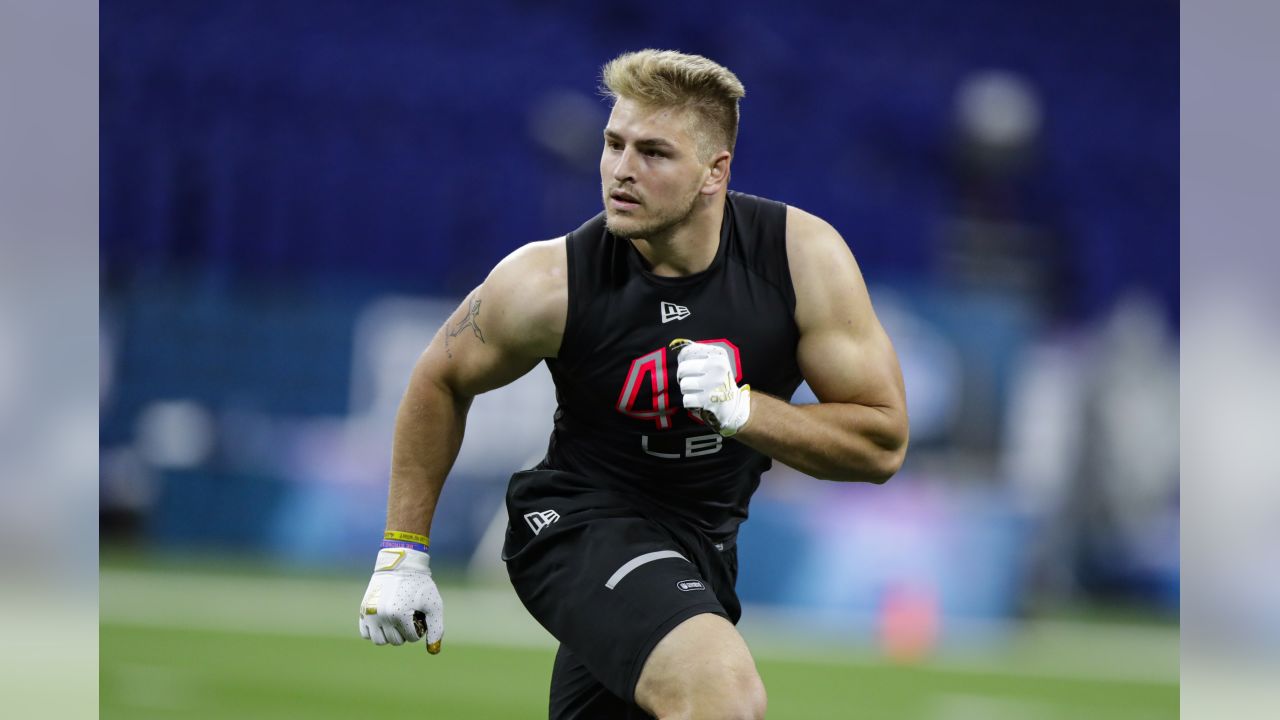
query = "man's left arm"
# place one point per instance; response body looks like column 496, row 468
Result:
column 858, row 430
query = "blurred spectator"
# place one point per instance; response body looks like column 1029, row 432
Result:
column 1003, row 234
column 1092, row 454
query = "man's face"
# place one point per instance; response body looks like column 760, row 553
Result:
column 650, row 173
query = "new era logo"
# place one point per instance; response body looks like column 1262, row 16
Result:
column 539, row 520
column 672, row 311
column 690, row 585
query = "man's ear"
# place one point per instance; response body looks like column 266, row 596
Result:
column 717, row 173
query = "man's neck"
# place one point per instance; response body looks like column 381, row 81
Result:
column 688, row 248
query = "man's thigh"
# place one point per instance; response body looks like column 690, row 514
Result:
column 609, row 589
column 702, row 667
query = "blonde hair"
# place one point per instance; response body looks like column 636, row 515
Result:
column 666, row 78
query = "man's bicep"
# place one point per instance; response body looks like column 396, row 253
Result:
column 473, row 352
column 841, row 365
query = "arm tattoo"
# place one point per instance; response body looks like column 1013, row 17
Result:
column 470, row 321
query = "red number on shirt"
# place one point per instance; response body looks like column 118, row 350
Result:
column 653, row 366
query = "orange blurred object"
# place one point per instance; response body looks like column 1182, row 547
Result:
column 909, row 623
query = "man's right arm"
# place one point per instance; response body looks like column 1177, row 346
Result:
column 499, row 332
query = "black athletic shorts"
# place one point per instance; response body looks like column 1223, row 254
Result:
column 607, row 579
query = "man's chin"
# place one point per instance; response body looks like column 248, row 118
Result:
column 620, row 225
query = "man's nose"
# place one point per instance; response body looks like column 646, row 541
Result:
column 622, row 169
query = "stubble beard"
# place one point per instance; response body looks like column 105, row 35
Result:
column 657, row 228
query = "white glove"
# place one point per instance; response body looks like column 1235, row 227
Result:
column 402, row 603
column 707, row 383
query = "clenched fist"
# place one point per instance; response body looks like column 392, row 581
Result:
column 402, row 603
column 707, row 384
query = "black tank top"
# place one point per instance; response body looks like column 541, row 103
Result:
column 620, row 421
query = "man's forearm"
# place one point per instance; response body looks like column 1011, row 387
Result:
column 831, row 441
column 428, row 434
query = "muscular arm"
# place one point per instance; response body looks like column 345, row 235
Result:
column 858, row 430
column 499, row 333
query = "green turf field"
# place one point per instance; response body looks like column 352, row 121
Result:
column 191, row 645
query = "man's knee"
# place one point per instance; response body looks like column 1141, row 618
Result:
column 733, row 693
column 702, row 670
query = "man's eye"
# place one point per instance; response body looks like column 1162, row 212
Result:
column 654, row 153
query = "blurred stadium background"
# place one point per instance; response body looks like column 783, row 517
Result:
column 294, row 195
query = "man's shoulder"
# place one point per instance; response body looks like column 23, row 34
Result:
column 536, row 258
column 811, row 240
column 822, row 267
column 532, row 269
column 531, row 286
column 804, row 225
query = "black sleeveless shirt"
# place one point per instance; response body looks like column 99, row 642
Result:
column 620, row 422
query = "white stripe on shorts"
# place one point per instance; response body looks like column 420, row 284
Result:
column 636, row 562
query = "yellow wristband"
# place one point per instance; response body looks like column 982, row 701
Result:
column 407, row 537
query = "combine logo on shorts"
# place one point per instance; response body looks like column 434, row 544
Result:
column 687, row 585
column 541, row 519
